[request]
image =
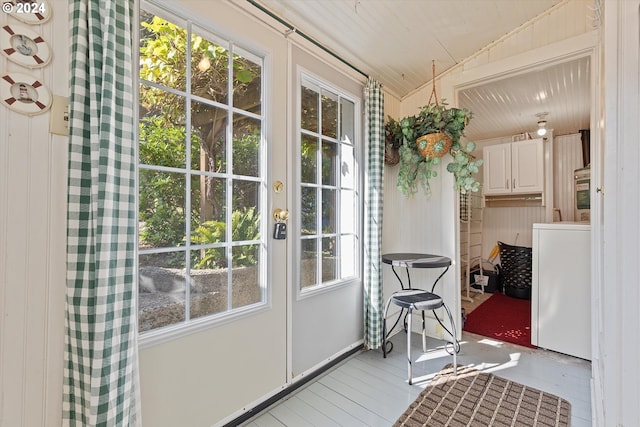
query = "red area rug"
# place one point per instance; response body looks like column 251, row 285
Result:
column 503, row 318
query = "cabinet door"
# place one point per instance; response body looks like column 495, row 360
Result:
column 497, row 169
column 527, row 166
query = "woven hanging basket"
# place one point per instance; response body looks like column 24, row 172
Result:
column 391, row 155
column 437, row 145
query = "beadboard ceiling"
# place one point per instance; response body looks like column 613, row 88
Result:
column 510, row 105
column 395, row 41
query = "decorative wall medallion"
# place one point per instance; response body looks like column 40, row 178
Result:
column 24, row 47
column 28, row 11
column 24, row 93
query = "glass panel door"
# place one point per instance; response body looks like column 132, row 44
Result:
column 326, row 284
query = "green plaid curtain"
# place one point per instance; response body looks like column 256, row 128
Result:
column 101, row 367
column 374, row 106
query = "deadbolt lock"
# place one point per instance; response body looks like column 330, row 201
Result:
column 278, row 186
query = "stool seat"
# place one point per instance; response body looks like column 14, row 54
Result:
column 417, row 299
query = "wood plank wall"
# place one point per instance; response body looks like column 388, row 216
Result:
column 32, row 243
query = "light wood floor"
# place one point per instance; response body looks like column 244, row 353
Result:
column 368, row 390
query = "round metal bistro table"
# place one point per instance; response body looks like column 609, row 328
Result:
column 410, row 298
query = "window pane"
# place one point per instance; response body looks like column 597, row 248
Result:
column 309, row 209
column 329, row 211
column 309, row 109
column 162, row 51
column 246, row 275
column 208, row 210
column 347, row 121
column 246, row 195
column 246, row 146
column 247, row 82
column 162, row 110
column 209, row 137
column 207, row 260
column 308, row 159
column 347, row 167
column 209, row 69
column 162, row 143
column 329, row 161
column 329, row 265
column 162, row 209
column 161, row 290
column 308, row 263
column 329, row 114
column 246, row 211
column 208, row 282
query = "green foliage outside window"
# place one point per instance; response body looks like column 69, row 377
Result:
column 162, row 194
column 245, row 225
column 165, row 132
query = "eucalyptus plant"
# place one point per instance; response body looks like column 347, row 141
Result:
column 416, row 169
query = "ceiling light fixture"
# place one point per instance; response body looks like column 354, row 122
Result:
column 542, row 123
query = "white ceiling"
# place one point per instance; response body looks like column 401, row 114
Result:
column 395, row 41
column 509, row 106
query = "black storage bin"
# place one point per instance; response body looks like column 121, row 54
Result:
column 488, row 270
column 515, row 267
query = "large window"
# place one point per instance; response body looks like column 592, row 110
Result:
column 329, row 197
column 201, row 175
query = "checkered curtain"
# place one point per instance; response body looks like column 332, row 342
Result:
column 374, row 106
column 101, row 368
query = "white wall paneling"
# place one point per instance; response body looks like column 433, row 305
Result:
column 617, row 318
column 32, row 244
column 512, row 225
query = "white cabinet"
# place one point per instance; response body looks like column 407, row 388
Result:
column 514, row 168
column 561, row 288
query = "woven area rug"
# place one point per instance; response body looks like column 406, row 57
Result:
column 479, row 399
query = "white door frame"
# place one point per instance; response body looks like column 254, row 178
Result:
column 580, row 46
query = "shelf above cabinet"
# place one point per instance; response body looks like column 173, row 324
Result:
column 514, row 200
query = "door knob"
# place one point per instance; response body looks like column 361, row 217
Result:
column 280, row 215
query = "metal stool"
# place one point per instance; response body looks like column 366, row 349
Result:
column 418, row 299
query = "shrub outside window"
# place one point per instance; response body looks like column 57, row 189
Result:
column 201, row 175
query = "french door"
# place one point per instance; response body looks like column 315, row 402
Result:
column 213, row 280
column 325, row 281
column 231, row 312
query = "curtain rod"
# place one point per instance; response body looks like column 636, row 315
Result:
column 304, row 36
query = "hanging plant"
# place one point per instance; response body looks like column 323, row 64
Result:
column 393, row 141
column 427, row 137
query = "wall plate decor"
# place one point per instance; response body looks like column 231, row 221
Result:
column 24, row 93
column 28, row 11
column 24, row 47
